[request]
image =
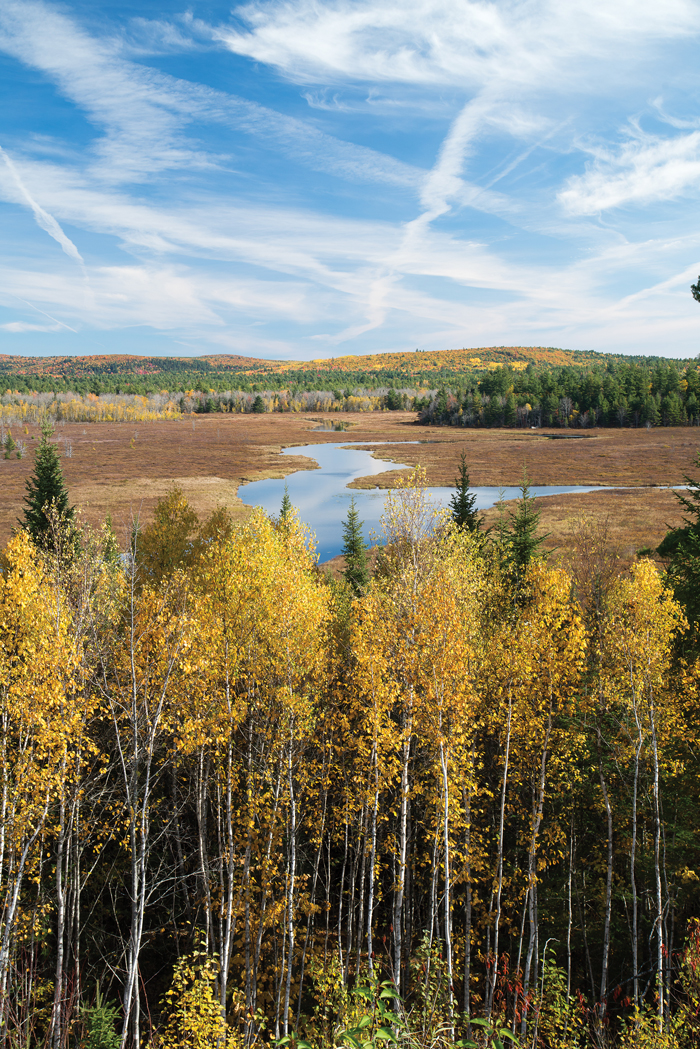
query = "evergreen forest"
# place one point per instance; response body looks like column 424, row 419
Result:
column 451, row 802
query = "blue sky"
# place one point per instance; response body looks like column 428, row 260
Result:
column 317, row 178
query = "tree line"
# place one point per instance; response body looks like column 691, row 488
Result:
column 619, row 393
column 452, row 801
column 613, row 394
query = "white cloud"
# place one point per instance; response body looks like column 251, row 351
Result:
column 43, row 219
column 646, row 168
column 21, row 326
column 438, row 42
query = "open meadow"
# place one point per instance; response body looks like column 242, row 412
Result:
column 123, row 469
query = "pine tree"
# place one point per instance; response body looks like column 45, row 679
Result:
column 463, row 502
column 46, row 490
column 354, row 551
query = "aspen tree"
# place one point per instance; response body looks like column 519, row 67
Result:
column 640, row 636
column 39, row 730
column 137, row 688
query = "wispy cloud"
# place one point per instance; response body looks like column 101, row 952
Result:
column 144, row 114
column 645, row 168
column 19, row 327
column 436, row 42
column 43, row 219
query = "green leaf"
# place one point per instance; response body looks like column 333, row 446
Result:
column 364, row 1022
column 498, row 1044
column 463, row 1044
column 284, row 1040
column 365, row 992
column 480, row 1023
column 345, row 1036
column 302, row 1045
column 507, row 1034
column 386, row 1034
column 387, row 993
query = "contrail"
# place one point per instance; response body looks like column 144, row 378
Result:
column 45, row 314
column 43, row 219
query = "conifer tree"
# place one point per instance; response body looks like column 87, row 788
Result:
column 46, row 489
column 463, row 502
column 354, row 551
column 286, row 508
column 283, row 523
column 524, row 542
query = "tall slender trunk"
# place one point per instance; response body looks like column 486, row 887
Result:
column 13, row 887
column 202, row 807
column 230, row 907
column 264, row 898
column 633, row 861
column 448, row 894
column 608, row 883
column 372, row 863
column 310, row 919
column 292, row 876
column 569, row 925
column 537, row 815
column 499, row 865
column 350, row 919
column 340, row 894
column 399, row 890
column 363, row 872
column 466, row 991
column 58, row 1002
column 659, row 922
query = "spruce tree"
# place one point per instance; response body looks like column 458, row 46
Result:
column 524, row 543
column 354, row 551
column 285, row 516
column 463, row 502
column 46, row 491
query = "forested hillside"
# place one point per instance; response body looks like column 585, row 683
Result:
column 504, row 387
column 243, row 802
column 116, row 373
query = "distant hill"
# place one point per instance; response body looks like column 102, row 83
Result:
column 415, row 368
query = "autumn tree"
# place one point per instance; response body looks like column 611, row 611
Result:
column 166, row 543
column 41, row 722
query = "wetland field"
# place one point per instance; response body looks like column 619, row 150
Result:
column 123, row 469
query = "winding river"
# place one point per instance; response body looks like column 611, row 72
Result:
column 322, row 496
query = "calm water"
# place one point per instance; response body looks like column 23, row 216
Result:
column 322, row 498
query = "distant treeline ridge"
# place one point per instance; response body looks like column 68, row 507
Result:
column 616, row 393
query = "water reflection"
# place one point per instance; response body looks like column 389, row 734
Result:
column 322, row 498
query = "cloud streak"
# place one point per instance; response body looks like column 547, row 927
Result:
column 43, row 219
